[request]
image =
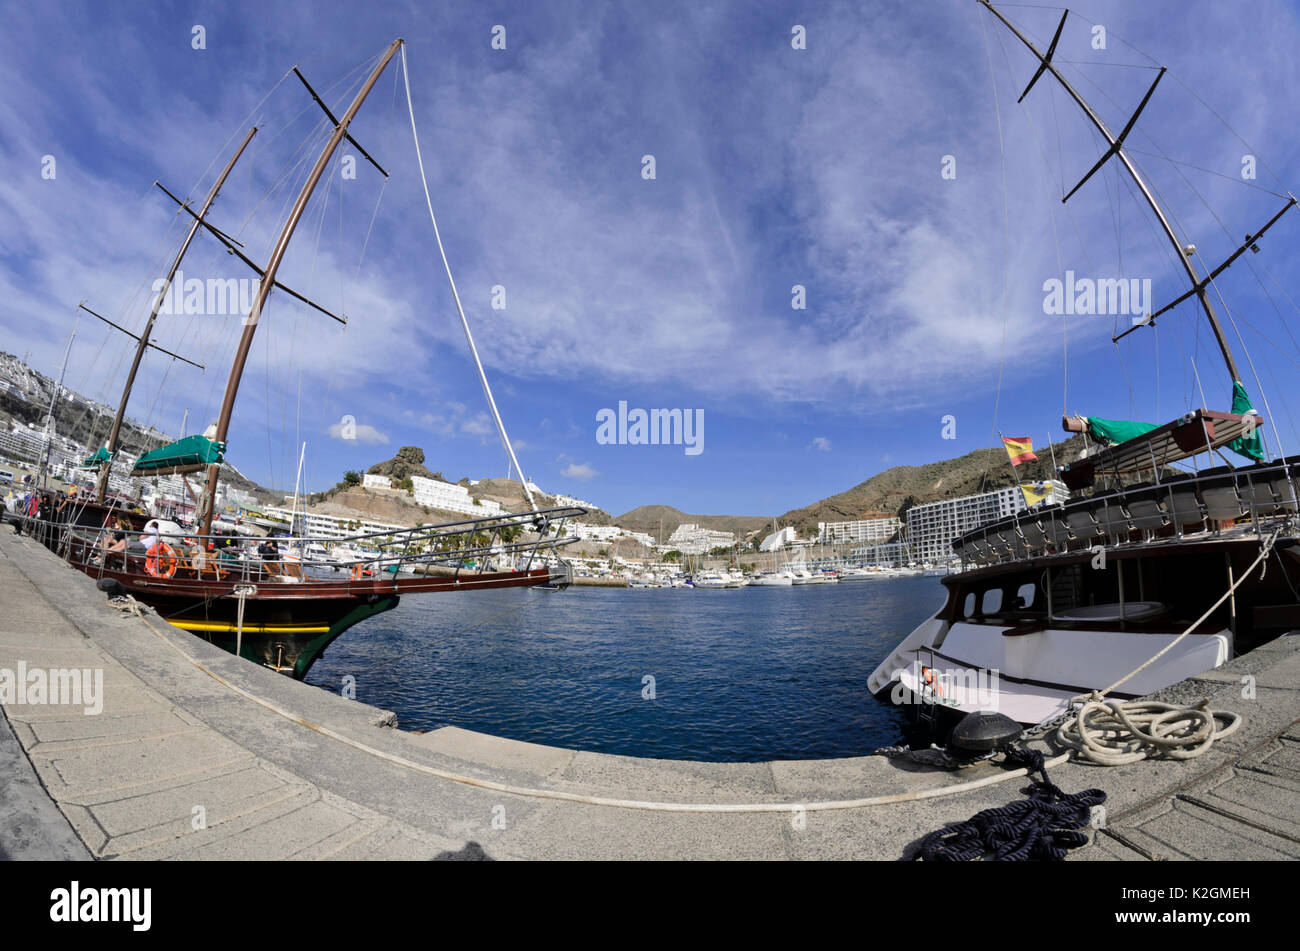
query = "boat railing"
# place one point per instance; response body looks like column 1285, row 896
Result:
column 1184, row 504
column 508, row 542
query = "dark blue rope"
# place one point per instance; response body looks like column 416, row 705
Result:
column 1041, row 827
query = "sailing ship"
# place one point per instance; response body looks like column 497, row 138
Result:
column 267, row 607
column 1150, row 573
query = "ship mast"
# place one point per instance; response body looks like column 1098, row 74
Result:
column 101, row 487
column 207, row 501
column 1116, row 150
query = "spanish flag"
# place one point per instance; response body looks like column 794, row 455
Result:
column 1034, row 492
column 1020, row 450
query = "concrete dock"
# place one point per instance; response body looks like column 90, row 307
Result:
column 197, row 754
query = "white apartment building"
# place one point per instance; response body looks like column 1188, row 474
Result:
column 869, row 531
column 779, row 539
column 570, row 500
column 690, row 539
column 454, row 498
column 606, row 533
column 316, row 525
column 932, row 527
column 883, row 555
column 439, row 495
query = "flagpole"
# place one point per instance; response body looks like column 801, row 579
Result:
column 1052, row 450
column 1015, row 479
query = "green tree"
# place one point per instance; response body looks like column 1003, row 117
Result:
column 351, row 478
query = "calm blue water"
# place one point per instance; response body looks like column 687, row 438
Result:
column 739, row 675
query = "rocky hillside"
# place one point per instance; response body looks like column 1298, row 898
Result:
column 648, row 518
column 895, row 490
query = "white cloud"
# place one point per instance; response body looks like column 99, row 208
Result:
column 820, row 442
column 478, row 426
column 360, row 432
column 580, row 471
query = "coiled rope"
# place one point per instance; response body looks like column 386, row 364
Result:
column 1043, row 826
column 1112, row 733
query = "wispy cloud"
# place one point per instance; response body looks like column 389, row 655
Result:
column 580, row 471
column 360, row 432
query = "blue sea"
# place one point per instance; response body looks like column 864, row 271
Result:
column 739, row 675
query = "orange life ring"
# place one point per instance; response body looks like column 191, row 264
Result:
column 160, row 560
column 356, row 571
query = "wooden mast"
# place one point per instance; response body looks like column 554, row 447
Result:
column 101, row 487
column 1116, row 149
column 207, row 503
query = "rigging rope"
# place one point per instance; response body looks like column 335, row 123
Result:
column 487, row 390
column 1006, row 241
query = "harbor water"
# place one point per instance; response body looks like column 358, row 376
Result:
column 733, row 675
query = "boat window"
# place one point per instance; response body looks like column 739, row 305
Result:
column 992, row 601
column 1026, row 595
column 969, row 609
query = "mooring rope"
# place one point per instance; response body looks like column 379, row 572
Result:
column 1042, row 826
column 1112, row 733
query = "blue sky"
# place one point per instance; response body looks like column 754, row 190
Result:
column 774, row 166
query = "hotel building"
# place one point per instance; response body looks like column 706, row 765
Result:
column 932, row 527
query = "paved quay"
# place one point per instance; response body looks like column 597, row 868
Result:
column 197, row 755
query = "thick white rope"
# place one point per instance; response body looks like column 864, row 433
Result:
column 1112, row 733
column 469, row 338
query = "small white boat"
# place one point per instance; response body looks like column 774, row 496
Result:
column 713, row 579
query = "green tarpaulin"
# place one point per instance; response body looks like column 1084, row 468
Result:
column 1111, row 432
column 190, row 451
column 95, row 458
column 1252, row 447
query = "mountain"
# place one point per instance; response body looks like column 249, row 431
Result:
column 895, row 490
column 648, row 518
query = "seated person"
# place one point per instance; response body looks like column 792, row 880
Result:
column 113, row 545
column 137, row 548
column 270, row 555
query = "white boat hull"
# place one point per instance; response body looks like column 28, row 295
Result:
column 1032, row 677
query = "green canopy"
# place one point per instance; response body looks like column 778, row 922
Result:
column 1252, row 447
column 189, row 454
column 1111, row 432
column 93, row 460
